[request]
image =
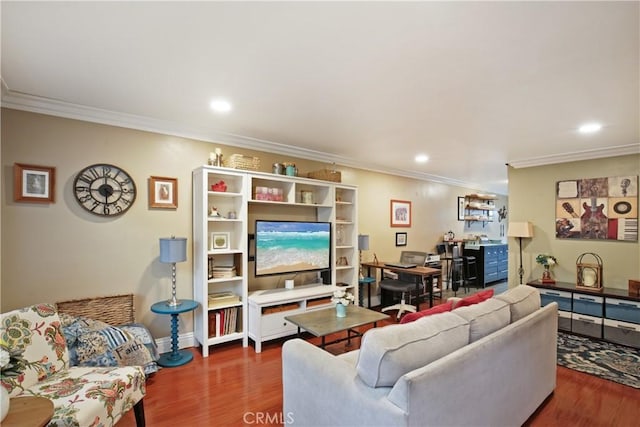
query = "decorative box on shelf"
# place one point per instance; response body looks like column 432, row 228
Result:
column 269, row 194
column 326, row 175
column 240, row 161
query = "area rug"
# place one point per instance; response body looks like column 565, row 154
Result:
column 603, row 359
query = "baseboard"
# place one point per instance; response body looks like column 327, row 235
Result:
column 184, row 341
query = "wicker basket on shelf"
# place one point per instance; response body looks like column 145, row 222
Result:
column 240, row 161
column 326, row 175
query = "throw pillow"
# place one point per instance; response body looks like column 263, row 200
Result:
column 475, row 298
column 441, row 308
column 95, row 343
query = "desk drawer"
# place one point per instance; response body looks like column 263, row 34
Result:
column 619, row 309
column 563, row 298
column 586, row 325
column 622, row 333
column 587, row 304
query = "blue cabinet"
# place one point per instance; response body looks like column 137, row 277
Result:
column 492, row 261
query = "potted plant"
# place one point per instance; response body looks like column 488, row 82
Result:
column 342, row 299
column 546, row 261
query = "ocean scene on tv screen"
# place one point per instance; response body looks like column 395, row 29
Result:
column 283, row 246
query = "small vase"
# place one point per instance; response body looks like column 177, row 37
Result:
column 546, row 275
column 341, row 310
column 4, row 402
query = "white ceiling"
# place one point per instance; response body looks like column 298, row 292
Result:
column 474, row 85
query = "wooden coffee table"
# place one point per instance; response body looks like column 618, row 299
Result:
column 321, row 323
column 28, row 411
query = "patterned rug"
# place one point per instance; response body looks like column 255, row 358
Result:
column 606, row 360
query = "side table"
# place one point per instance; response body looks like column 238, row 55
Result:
column 365, row 281
column 28, row 411
column 175, row 357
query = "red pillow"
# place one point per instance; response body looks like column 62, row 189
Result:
column 475, row 298
column 428, row 312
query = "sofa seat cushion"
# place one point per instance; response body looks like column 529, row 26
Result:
column 485, row 317
column 440, row 308
column 523, row 300
column 476, row 298
column 388, row 353
column 91, row 396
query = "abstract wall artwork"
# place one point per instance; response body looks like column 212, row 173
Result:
column 598, row 208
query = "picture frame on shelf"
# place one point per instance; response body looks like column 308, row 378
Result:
column 219, row 241
column 32, row 183
column 401, row 239
column 460, row 208
column 400, row 213
column 163, row 192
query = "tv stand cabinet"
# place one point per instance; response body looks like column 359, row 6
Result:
column 268, row 308
column 226, row 203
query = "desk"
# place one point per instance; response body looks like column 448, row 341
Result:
column 419, row 272
column 176, row 357
column 28, row 411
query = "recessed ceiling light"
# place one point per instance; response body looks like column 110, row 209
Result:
column 220, row 106
column 422, row 158
column 590, row 128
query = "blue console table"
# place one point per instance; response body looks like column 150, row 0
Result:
column 175, row 357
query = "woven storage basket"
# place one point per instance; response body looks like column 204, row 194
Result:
column 326, row 175
column 240, row 161
column 114, row 310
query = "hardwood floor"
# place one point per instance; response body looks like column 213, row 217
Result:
column 236, row 386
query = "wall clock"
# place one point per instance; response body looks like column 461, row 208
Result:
column 104, row 189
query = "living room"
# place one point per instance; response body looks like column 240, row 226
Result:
column 59, row 251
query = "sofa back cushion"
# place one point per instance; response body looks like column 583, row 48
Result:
column 34, row 334
column 523, row 300
column 440, row 308
column 388, row 353
column 485, row 317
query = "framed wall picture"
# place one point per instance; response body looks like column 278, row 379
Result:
column 163, row 192
column 219, row 241
column 33, row 183
column 460, row 208
column 401, row 239
column 400, row 213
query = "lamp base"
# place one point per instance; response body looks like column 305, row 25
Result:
column 173, row 302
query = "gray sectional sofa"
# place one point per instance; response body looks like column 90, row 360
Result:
column 488, row 364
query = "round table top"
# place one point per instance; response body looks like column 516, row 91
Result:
column 28, row 411
column 163, row 307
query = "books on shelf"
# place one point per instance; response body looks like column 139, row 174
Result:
column 219, row 299
column 221, row 271
column 223, row 321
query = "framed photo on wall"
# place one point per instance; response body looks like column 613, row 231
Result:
column 400, row 213
column 401, row 239
column 163, row 192
column 33, row 183
column 460, row 208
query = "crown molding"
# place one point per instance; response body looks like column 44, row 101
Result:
column 53, row 107
column 596, row 153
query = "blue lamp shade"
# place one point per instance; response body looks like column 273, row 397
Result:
column 173, row 249
column 363, row 242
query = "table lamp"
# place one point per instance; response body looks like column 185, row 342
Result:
column 520, row 230
column 173, row 249
column 363, row 245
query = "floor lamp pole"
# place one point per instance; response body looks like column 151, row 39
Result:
column 520, row 270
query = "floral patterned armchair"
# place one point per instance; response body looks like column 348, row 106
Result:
column 82, row 396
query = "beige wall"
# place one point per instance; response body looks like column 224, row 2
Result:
column 59, row 251
column 532, row 198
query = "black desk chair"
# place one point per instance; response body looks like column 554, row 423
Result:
column 403, row 283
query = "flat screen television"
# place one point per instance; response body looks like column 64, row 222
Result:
column 292, row 247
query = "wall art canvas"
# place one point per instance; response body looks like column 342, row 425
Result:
column 598, row 208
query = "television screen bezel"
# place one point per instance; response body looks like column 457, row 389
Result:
column 328, row 268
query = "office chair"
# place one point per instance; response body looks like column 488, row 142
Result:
column 404, row 283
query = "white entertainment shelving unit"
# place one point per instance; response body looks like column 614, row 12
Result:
column 261, row 312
